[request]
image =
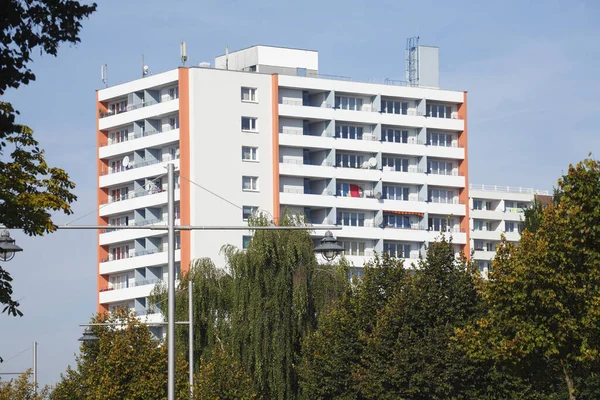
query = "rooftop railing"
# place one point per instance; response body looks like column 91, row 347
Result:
column 507, row 189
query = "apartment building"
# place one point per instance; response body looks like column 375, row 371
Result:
column 494, row 211
column 265, row 130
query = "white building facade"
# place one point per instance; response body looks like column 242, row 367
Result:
column 264, row 131
column 497, row 211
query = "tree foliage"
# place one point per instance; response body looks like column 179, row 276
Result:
column 125, row 363
column 30, row 189
column 543, row 296
column 22, row 388
column 258, row 311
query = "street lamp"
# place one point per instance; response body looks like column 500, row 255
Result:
column 88, row 337
column 329, row 248
column 8, row 248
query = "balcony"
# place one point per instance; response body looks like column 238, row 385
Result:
column 113, row 177
column 486, row 235
column 125, row 293
column 109, row 236
column 137, row 112
column 136, row 199
column 141, row 259
column 139, row 141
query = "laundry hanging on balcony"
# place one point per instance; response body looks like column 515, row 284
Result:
column 355, row 191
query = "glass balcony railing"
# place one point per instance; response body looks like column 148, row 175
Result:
column 121, row 168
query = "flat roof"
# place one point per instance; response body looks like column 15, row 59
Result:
column 268, row 45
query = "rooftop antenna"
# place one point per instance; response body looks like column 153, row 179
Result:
column 412, row 61
column 104, row 74
column 145, row 69
column 226, row 57
column 183, row 53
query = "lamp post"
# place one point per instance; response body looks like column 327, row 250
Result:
column 329, row 248
column 8, row 248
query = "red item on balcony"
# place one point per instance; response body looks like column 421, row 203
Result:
column 354, row 191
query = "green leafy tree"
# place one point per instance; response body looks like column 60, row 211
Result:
column 22, row 388
column 258, row 311
column 125, row 363
column 223, row 378
column 543, row 296
column 29, row 188
column 332, row 354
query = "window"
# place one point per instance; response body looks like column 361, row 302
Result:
column 488, row 226
column 249, row 153
column 396, row 221
column 441, row 196
column 440, row 167
column 173, row 93
column 395, row 193
column 490, row 246
column 248, row 211
column 478, row 245
column 482, row 265
column 351, row 219
column 488, row 205
column 348, row 190
column 119, row 282
column 119, row 221
column 250, row 183
column 395, row 164
column 400, row 250
column 394, row 136
column 477, row 205
column 173, row 123
column 439, row 111
column 119, row 253
column 438, row 224
column 353, row 248
column 348, row 103
column 349, row 132
column 119, row 194
column 394, row 107
column 246, row 241
column 119, row 136
column 118, row 107
column 512, row 227
column 249, row 124
column 249, row 94
column 348, row 160
column 477, row 225
column 439, row 139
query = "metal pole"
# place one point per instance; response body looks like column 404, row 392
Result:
column 191, row 332
column 35, row 366
column 171, row 287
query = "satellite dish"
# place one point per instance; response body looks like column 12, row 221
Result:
column 365, row 164
column 145, row 71
column 125, row 162
column 372, row 162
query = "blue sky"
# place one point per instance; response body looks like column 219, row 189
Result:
column 529, row 66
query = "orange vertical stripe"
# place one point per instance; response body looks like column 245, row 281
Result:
column 184, row 167
column 102, row 197
column 463, row 169
column 275, row 149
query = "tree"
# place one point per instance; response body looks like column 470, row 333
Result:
column 29, row 188
column 258, row 311
column 543, row 296
column 125, row 363
column 332, row 354
column 23, row 389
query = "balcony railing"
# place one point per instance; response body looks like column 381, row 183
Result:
column 506, row 189
column 303, row 191
column 138, row 136
column 453, row 172
column 131, row 107
column 114, row 170
column 133, row 254
column 300, row 132
column 135, row 194
column 125, row 285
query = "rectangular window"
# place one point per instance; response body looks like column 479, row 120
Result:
column 348, row 103
column 488, row 226
column 400, row 250
column 477, row 205
column 477, row 225
column 351, row 219
column 395, row 193
column 396, row 221
column 510, row 227
column 348, row 160
column 394, row 107
column 478, row 245
column 249, row 124
column 438, row 224
column 250, row 183
column 438, row 167
column 248, row 94
column 246, row 241
column 441, row 196
column 439, row 111
column 395, row 164
column 349, row 132
column 439, row 139
column 248, row 211
column 352, row 248
column 488, row 205
column 173, row 93
column 249, row 153
column 394, row 136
